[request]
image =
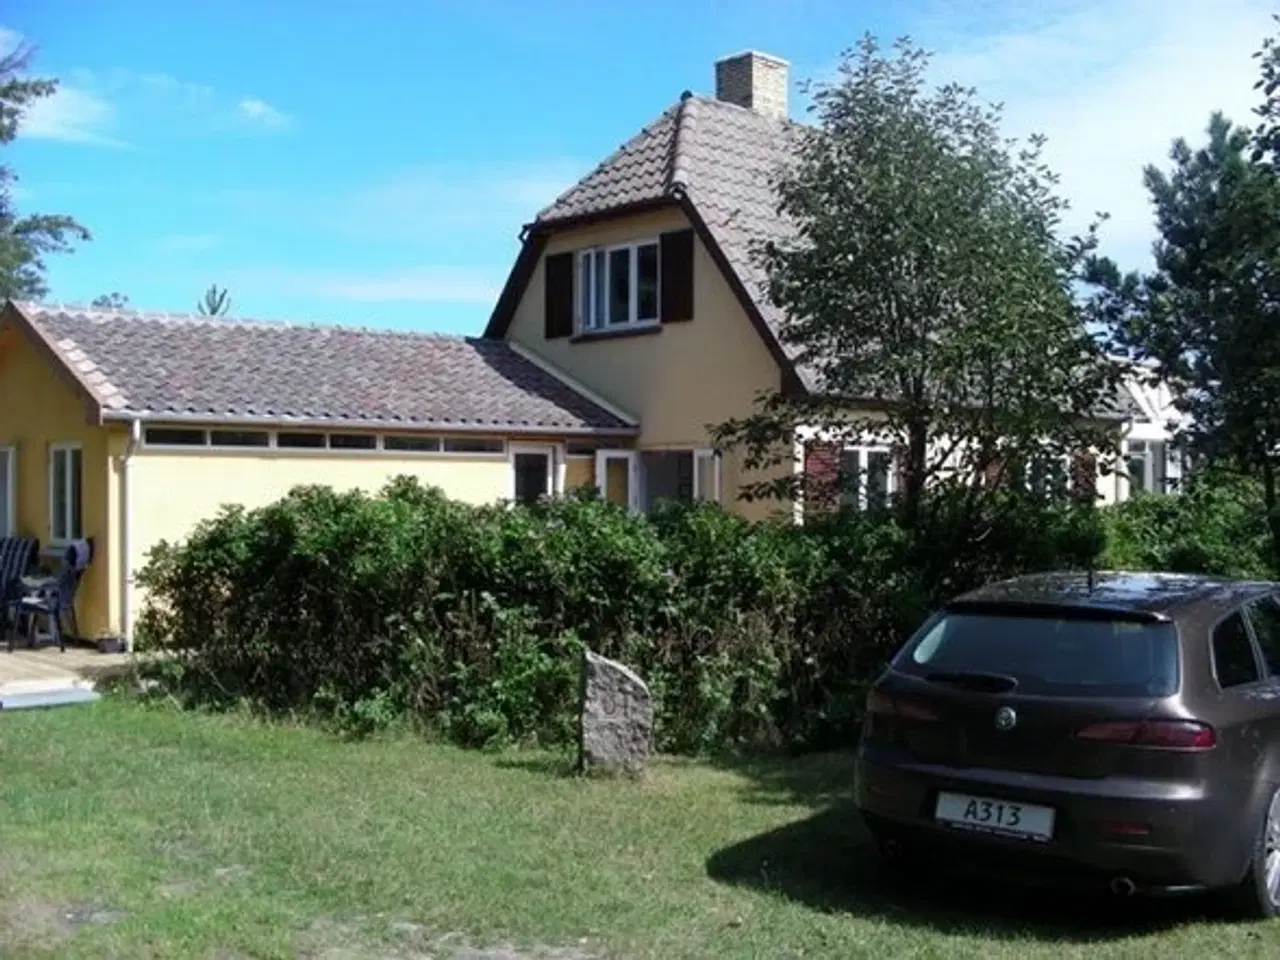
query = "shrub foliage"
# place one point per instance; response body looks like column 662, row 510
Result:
column 369, row 609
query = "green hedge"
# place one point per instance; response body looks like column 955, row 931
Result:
column 469, row 620
column 1217, row 525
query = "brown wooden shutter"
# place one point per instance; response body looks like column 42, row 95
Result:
column 995, row 473
column 675, row 275
column 558, row 295
column 821, row 477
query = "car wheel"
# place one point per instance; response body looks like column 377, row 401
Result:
column 1258, row 895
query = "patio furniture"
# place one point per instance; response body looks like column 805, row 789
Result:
column 54, row 598
column 17, row 557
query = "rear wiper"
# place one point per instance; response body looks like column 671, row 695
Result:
column 975, row 680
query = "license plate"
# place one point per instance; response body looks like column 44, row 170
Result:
column 985, row 815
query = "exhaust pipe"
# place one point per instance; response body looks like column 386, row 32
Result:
column 1123, row 887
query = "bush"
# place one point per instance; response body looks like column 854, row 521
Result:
column 368, row 610
column 1217, row 525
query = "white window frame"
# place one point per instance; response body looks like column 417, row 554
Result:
column 379, row 449
column 10, row 525
column 864, row 450
column 699, row 495
column 55, row 450
column 632, row 459
column 1064, row 461
column 1148, row 466
column 585, row 270
column 555, row 461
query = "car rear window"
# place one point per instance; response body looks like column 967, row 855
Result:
column 1050, row 656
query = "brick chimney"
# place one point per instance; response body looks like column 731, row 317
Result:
column 756, row 81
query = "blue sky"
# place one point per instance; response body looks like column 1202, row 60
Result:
column 374, row 166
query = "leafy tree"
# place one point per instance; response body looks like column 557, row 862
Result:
column 1266, row 141
column 216, row 302
column 926, row 290
column 111, row 301
column 1209, row 314
column 25, row 241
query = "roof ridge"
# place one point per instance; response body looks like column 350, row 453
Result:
column 198, row 320
column 677, row 170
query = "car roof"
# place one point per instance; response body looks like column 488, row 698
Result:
column 1154, row 595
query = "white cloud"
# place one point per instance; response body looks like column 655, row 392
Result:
column 71, row 115
column 414, row 284
column 10, row 41
column 263, row 113
column 1111, row 85
column 108, row 107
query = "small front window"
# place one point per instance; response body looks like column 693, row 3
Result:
column 1146, row 466
column 65, row 497
column 239, row 438
column 866, row 478
column 618, row 286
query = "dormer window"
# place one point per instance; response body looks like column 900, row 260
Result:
column 630, row 287
column 617, row 286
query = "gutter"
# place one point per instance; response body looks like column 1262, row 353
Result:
column 126, row 523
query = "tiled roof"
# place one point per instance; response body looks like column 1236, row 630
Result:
column 724, row 159
column 172, row 367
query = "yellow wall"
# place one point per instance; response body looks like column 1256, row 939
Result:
column 676, row 381
column 174, row 490
column 39, row 408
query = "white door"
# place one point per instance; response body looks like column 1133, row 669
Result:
column 533, row 472
column 7, row 477
column 618, row 477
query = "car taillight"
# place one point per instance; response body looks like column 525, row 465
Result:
column 881, row 704
column 1166, row 734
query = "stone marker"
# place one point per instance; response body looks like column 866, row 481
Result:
column 617, row 717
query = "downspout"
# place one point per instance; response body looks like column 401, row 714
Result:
column 126, row 523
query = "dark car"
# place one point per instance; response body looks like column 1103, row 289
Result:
column 1121, row 729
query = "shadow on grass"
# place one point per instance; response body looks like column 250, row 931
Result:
column 827, row 862
column 813, row 780
column 555, row 765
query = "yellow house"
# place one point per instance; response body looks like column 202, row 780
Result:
column 130, row 428
column 633, row 320
column 641, row 282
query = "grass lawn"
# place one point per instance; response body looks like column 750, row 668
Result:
column 128, row 831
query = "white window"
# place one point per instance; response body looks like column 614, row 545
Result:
column 8, row 475
column 617, row 286
column 1145, row 464
column 1049, row 475
column 866, row 477
column 706, row 475
column 66, row 518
